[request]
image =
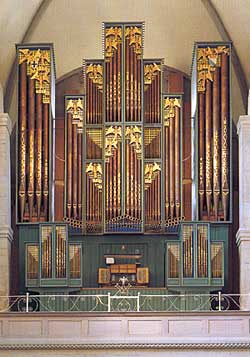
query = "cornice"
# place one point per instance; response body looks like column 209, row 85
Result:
column 129, row 346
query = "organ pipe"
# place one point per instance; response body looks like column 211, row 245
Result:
column 22, row 140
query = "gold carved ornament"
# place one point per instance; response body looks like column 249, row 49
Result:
column 134, row 34
column 113, row 37
column 151, row 171
column 150, row 72
column 75, row 107
column 95, row 73
column 38, row 68
column 113, row 136
column 94, row 171
column 208, row 59
column 169, row 108
column 134, row 135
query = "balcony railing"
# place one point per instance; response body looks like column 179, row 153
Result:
column 124, row 303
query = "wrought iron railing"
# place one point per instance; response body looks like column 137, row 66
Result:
column 124, row 303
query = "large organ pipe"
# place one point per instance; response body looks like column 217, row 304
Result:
column 79, row 173
column 158, row 95
column 127, row 81
column 107, row 65
column 31, row 123
column 46, row 159
column 119, row 184
column 216, row 145
column 132, row 191
column 107, row 190
column 127, row 175
column 177, row 162
column 135, row 185
column 111, row 90
column 135, row 88
column 224, row 134
column 159, row 198
column 69, row 164
column 114, row 63
column 167, row 172
column 75, row 171
column 119, row 82
column 22, row 142
column 208, row 147
column 171, row 167
column 114, row 169
column 201, row 152
column 39, row 153
column 139, row 88
column 131, row 62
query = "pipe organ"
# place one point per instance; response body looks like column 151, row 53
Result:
column 35, row 115
column 124, row 167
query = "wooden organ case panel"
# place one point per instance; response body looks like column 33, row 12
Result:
column 212, row 81
column 34, row 134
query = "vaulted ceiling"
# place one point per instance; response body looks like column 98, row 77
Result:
column 171, row 28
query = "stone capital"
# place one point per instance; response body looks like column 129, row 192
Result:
column 5, row 121
column 6, row 232
column 244, row 121
column 243, row 235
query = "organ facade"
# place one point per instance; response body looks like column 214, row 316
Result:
column 135, row 166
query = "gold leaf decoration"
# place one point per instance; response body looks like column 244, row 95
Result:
column 151, row 171
column 95, row 73
column 75, row 107
column 94, row 171
column 169, row 108
column 113, row 37
column 151, row 70
column 135, row 38
column 134, row 135
column 38, row 68
column 113, row 136
column 207, row 60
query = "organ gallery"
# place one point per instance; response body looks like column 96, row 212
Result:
column 124, row 169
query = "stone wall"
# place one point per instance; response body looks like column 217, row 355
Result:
column 130, row 334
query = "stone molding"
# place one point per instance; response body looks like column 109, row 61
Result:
column 6, row 232
column 243, row 235
column 128, row 346
column 6, row 121
column 244, row 120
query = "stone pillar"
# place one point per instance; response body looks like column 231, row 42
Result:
column 6, row 234
column 243, row 234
